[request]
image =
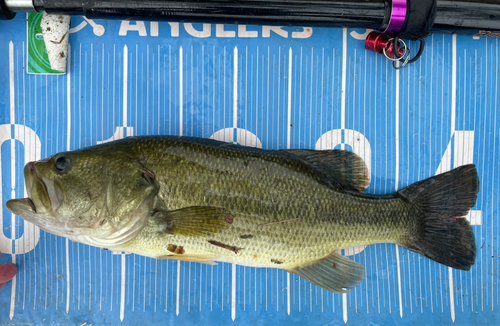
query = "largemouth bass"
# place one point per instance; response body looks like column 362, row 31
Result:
column 202, row 200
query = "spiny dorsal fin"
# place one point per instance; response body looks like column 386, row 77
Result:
column 347, row 168
column 334, row 273
column 194, row 221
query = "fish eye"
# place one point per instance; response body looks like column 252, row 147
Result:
column 62, row 164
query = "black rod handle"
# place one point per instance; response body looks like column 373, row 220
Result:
column 450, row 15
column 347, row 13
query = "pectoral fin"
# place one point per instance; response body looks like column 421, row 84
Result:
column 194, row 221
column 334, row 273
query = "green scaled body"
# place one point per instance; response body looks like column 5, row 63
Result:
column 203, row 200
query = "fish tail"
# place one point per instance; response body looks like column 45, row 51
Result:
column 442, row 235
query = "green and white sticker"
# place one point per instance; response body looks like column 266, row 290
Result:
column 38, row 58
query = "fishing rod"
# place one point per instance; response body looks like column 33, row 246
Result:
column 392, row 20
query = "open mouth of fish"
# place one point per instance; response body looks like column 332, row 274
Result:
column 30, row 203
column 43, row 194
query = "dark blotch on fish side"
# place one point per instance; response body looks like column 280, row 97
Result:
column 218, row 244
column 229, row 218
column 246, row 236
column 175, row 249
column 276, row 261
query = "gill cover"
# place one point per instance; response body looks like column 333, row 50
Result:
column 89, row 196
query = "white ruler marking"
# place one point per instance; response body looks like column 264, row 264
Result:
column 122, row 298
column 181, row 101
column 68, row 147
column 453, row 116
column 235, row 89
column 288, row 292
column 342, row 126
column 178, row 287
column 11, row 82
column 344, row 72
column 233, row 292
column 397, row 187
column 344, row 306
column 13, row 172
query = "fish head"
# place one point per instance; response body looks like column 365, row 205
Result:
column 97, row 197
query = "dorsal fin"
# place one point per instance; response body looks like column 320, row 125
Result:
column 347, row 168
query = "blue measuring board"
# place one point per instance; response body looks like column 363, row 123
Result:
column 261, row 86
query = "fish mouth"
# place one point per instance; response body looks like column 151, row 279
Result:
column 29, row 177
column 44, row 195
column 31, row 203
column 25, row 206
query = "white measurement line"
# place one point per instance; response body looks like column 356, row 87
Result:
column 344, row 306
column 485, row 78
column 277, row 290
column 192, row 113
column 13, row 172
column 342, row 126
column 475, row 110
column 189, row 269
column 125, row 108
column 235, row 90
column 201, row 278
column 166, row 282
column 453, row 122
column 125, row 85
column 288, row 136
column 288, row 292
column 180, row 100
column 24, row 138
column 122, row 298
column 233, row 292
column 289, row 124
column 453, row 83
column 212, row 287
column 11, row 82
column 397, row 187
column 68, row 147
column 430, row 164
column 418, row 177
column 159, row 89
column 178, row 287
column 441, row 150
column 344, row 71
column 235, row 125
column 493, row 178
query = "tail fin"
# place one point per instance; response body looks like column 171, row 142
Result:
column 442, row 235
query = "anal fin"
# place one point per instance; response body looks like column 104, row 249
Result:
column 334, row 273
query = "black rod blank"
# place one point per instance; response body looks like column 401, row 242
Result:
column 355, row 13
column 451, row 15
